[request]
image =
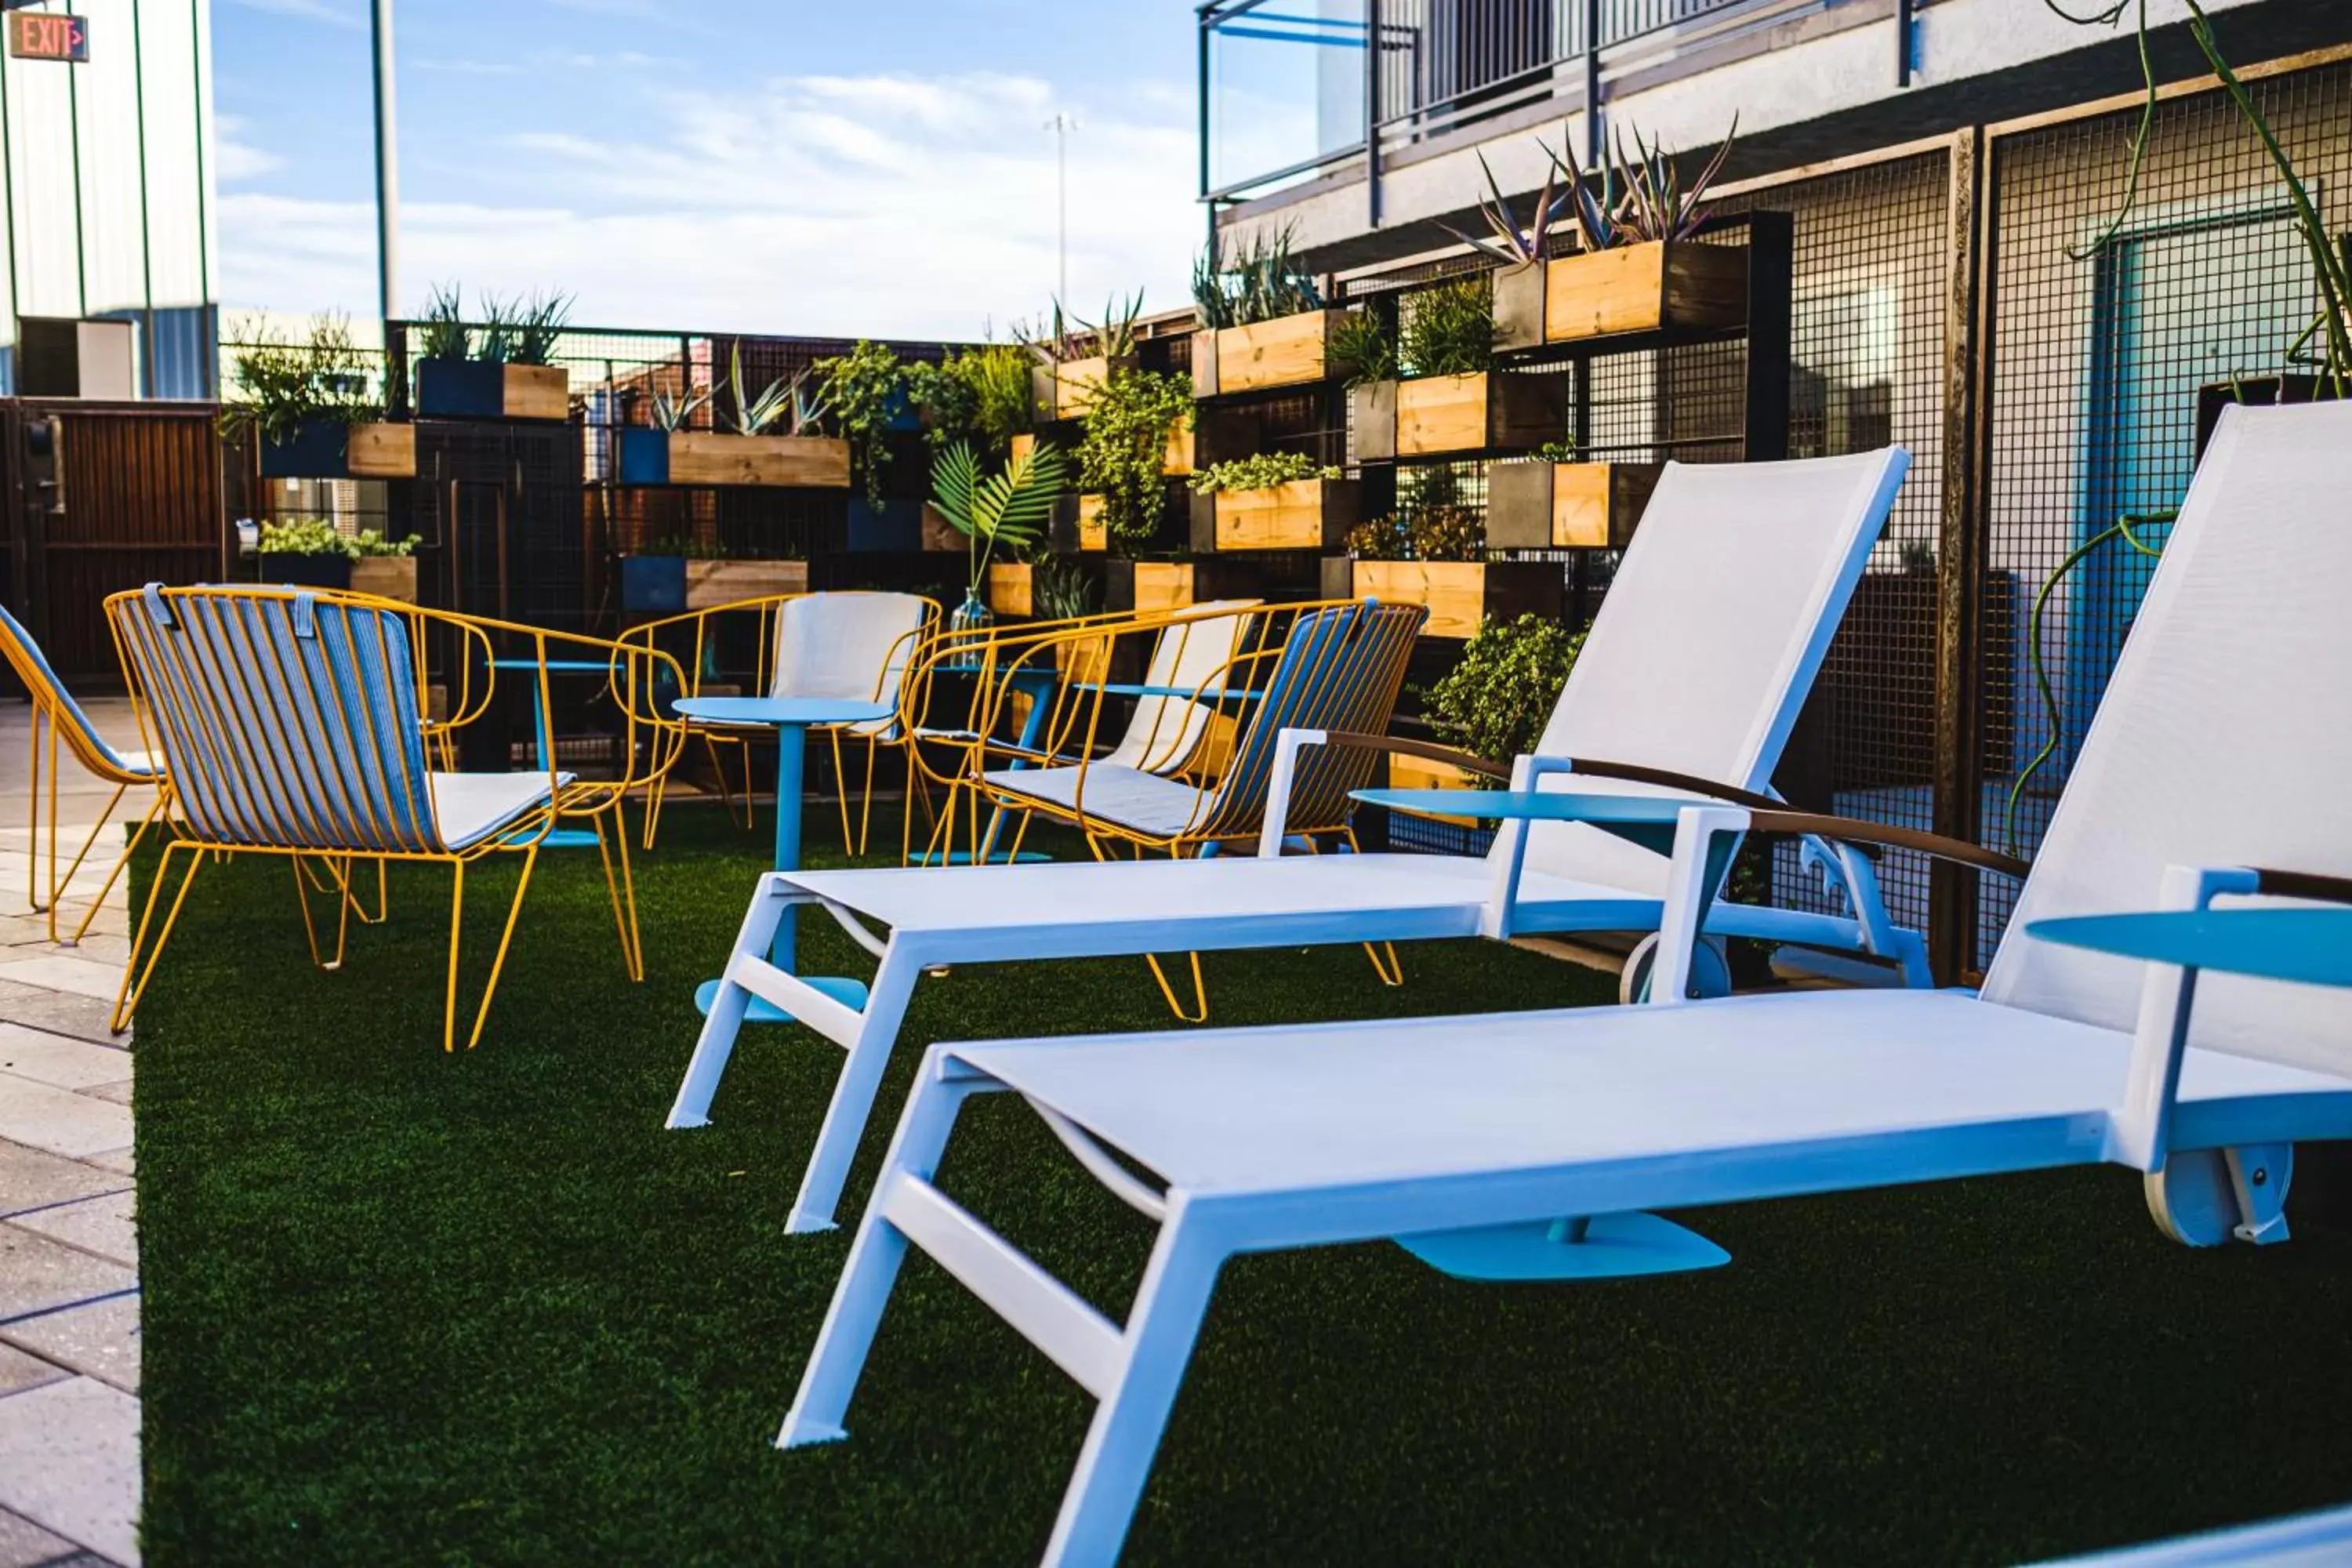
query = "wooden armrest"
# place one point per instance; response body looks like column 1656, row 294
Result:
column 2303, row 885
column 1427, row 749
column 1631, row 773
column 1854, row 830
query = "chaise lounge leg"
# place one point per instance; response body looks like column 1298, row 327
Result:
column 847, row 1333
column 724, row 1019
column 852, row 1093
column 1100, row 1504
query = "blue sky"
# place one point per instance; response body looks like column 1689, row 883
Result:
column 879, row 166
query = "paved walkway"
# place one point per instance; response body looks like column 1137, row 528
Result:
column 70, row 1477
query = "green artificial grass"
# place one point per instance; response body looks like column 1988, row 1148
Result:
column 403, row 1307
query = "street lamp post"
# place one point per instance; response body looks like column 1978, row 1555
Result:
column 1061, row 125
column 387, row 180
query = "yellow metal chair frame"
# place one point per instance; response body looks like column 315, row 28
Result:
column 697, row 631
column 293, row 725
column 54, row 711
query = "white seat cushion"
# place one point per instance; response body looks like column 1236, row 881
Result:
column 1142, row 802
column 469, row 807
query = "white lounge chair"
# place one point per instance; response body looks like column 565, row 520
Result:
column 2221, row 746
column 1696, row 665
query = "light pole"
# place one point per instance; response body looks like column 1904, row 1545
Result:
column 387, row 179
column 1061, row 125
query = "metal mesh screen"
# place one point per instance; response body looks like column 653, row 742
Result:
column 2098, row 354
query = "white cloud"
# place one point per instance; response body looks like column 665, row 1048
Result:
column 336, row 13
column 234, row 158
column 890, row 206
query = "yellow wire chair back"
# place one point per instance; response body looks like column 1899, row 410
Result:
column 55, row 703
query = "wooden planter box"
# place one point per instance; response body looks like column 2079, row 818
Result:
column 386, row 577
column 1627, row 290
column 1176, row 460
column 1305, row 514
column 482, row 389
column 1147, row 586
column 709, row 584
column 1285, row 351
column 1458, row 594
column 329, row 449
column 1567, row 506
column 1008, row 589
column 650, row 457
column 1066, row 390
column 1488, row 411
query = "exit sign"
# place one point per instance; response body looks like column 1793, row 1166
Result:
column 48, row 36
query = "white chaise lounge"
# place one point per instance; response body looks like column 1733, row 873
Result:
column 1693, row 673
column 2223, row 744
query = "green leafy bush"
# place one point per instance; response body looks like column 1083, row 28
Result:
column 1123, row 442
column 1495, row 703
column 980, row 394
column 369, row 542
column 1448, row 534
column 1449, row 329
column 866, row 387
column 1263, row 471
column 307, row 536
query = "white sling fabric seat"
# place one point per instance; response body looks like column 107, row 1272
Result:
column 2221, row 746
column 853, row 646
column 1748, row 567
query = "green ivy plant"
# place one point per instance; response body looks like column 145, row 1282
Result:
column 1495, row 703
column 864, row 387
column 981, row 394
column 1123, row 442
column 1262, row 471
column 284, row 385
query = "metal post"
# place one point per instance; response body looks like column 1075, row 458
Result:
column 1593, row 159
column 1903, row 20
column 1372, row 114
column 387, row 173
column 1959, row 805
column 1206, row 24
column 1060, row 126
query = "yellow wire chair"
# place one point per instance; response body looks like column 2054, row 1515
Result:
column 1008, row 680
column 1335, row 666
column 293, row 723
column 855, row 645
column 54, row 711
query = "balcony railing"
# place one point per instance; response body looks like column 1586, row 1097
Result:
column 1288, row 86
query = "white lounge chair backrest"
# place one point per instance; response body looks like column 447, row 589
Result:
column 1163, row 730
column 1711, row 633
column 853, row 646
column 2224, row 739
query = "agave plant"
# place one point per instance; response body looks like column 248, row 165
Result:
column 750, row 416
column 1653, row 203
column 501, row 330
column 443, row 334
column 808, row 403
column 1259, row 282
column 1508, row 242
column 1009, row 508
column 537, row 323
column 673, row 409
column 1114, row 335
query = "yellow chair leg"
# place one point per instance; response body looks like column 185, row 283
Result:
column 623, row 893
column 126, row 998
column 499, row 964
column 456, row 930
column 1392, row 974
column 841, row 791
column 99, row 901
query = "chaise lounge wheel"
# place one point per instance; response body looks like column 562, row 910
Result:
column 2194, row 1200
column 1710, row 969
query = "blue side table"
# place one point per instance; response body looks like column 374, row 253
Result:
column 2310, row 945
column 791, row 718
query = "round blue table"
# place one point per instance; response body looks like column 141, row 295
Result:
column 791, row 718
column 2310, row 945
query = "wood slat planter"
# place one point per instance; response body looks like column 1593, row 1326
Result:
column 481, row 389
column 329, row 449
column 650, row 457
column 1066, row 390
column 382, row 452
column 1305, row 514
column 1567, row 506
column 1146, row 586
column 1489, row 411
column 385, row 576
column 1289, row 351
column 1008, row 589
column 714, row 583
column 1458, row 594
column 1630, row 289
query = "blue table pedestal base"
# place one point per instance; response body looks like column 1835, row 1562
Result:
column 848, row 993
column 1614, row 1247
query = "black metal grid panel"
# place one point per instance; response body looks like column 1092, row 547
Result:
column 1867, row 348
column 2097, row 353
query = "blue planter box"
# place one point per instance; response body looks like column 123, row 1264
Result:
column 653, row 585
column 644, row 455
column 306, row 571
column 895, row 526
column 319, row 449
column 461, row 389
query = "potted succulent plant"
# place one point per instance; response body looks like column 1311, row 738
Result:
column 755, row 451
column 1551, row 501
column 1432, row 388
column 1262, row 322
column 1435, row 554
column 310, row 410
column 497, row 371
column 1075, row 359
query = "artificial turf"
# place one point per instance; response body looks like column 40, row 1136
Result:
column 403, row 1307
